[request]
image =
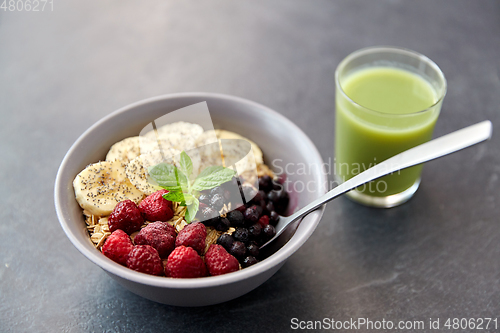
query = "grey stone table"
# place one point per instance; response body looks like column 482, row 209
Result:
column 61, row 70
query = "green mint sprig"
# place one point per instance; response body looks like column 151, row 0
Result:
column 181, row 189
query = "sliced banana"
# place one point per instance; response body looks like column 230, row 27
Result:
column 257, row 153
column 232, row 151
column 129, row 148
column 137, row 169
column 100, row 186
column 180, row 135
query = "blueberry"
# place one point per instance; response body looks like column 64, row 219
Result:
column 265, row 183
column 255, row 230
column 277, row 186
column 227, row 195
column 253, row 249
column 251, row 214
column 269, row 207
column 249, row 192
column 282, row 203
column 217, row 190
column 204, row 198
column 274, row 217
column 242, row 235
column 269, row 231
column 226, row 241
column 249, row 261
column 209, row 216
column 236, row 218
column 238, row 249
column 273, row 196
column 217, row 201
column 223, row 224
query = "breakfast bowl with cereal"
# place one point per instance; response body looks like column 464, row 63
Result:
column 173, row 196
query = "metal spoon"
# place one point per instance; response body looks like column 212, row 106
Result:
column 425, row 152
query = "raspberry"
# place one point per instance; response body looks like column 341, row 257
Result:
column 164, row 226
column 156, row 235
column 125, row 216
column 145, row 259
column 193, row 235
column 263, row 221
column 117, row 247
column 184, row 262
column 155, row 208
column 219, row 261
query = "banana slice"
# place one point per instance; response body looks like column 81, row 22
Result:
column 137, row 169
column 180, row 135
column 257, row 153
column 129, row 148
column 100, row 186
column 231, row 153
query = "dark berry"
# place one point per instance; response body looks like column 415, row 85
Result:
column 274, row 217
column 282, row 203
column 253, row 249
column 217, row 190
column 277, row 186
column 223, row 224
column 209, row 216
column 273, row 196
column 204, row 198
column 251, row 214
column 269, row 207
column 269, row 231
column 241, row 234
column 236, row 218
column 259, row 209
column 255, row 230
column 265, row 183
column 217, row 201
column 241, row 208
column 238, row 249
column 226, row 240
column 259, row 196
column 249, row 261
column 249, row 192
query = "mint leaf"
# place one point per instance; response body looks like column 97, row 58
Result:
column 186, row 164
column 192, row 210
column 165, row 175
column 174, row 196
column 177, row 196
column 212, row 176
column 182, row 180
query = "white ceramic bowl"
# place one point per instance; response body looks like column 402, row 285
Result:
column 280, row 140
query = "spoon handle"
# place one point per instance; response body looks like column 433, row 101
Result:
column 433, row 149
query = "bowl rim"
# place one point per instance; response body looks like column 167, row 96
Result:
column 211, row 281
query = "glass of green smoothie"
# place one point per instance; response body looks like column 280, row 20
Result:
column 387, row 100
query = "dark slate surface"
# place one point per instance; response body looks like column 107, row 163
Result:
column 60, row 71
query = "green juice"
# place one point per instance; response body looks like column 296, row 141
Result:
column 386, row 118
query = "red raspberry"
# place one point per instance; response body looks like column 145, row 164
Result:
column 164, row 226
column 145, row 259
column 125, row 216
column 157, row 235
column 219, row 261
column 184, row 262
column 155, row 208
column 264, row 220
column 193, row 235
column 117, row 247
